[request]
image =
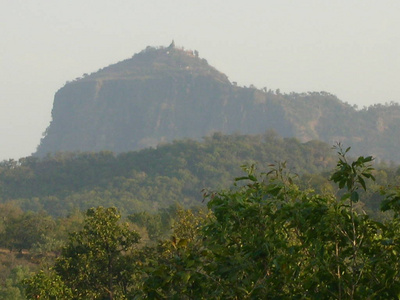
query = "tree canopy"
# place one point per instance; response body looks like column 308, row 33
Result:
column 264, row 237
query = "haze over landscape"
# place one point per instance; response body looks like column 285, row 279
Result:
column 181, row 150
column 349, row 49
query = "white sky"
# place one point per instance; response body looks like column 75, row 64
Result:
column 348, row 48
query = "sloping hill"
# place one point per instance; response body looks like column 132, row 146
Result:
column 164, row 94
column 151, row 178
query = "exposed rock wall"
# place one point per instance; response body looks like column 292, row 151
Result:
column 164, row 94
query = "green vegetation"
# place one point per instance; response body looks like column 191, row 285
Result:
column 94, row 264
column 297, row 231
column 263, row 237
column 149, row 179
column 165, row 222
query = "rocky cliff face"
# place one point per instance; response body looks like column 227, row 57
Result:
column 157, row 96
column 166, row 93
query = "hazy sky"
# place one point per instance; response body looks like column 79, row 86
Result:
column 348, row 48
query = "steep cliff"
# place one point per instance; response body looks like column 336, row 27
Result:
column 162, row 94
column 156, row 96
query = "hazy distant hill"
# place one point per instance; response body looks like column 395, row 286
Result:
column 162, row 94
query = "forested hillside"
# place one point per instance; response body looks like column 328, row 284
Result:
column 266, row 235
column 152, row 178
column 167, row 93
column 282, row 228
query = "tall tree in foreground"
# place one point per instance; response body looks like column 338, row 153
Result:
column 95, row 264
column 266, row 238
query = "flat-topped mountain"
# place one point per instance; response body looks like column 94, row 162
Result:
column 166, row 93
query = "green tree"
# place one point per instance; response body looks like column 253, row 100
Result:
column 95, row 260
column 95, row 263
column 47, row 286
column 13, row 288
column 264, row 237
column 271, row 238
column 173, row 269
column 22, row 231
column 8, row 212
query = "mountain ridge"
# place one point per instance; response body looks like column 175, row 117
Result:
column 167, row 93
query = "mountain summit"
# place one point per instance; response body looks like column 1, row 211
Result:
column 167, row 93
column 160, row 62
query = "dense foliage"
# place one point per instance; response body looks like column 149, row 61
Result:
column 149, row 179
column 264, row 238
column 95, row 262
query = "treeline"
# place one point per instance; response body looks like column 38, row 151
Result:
column 43, row 200
column 152, row 178
column 265, row 237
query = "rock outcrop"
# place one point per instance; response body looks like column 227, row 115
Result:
column 163, row 94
